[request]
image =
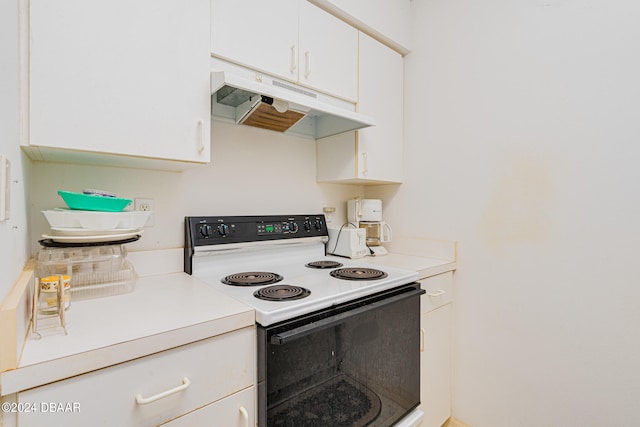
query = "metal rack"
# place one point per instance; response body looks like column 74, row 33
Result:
column 93, row 272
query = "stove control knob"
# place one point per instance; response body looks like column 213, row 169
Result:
column 205, row 230
column 293, row 227
column 307, row 225
column 223, row 229
column 318, row 225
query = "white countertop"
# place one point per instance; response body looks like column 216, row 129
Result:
column 425, row 267
column 429, row 257
column 162, row 312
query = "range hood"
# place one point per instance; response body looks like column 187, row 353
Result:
column 246, row 97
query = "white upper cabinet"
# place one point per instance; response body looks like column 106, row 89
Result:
column 290, row 39
column 121, row 78
column 328, row 53
column 259, row 34
column 373, row 155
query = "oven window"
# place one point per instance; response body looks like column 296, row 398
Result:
column 363, row 371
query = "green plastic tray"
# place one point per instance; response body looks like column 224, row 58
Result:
column 93, row 202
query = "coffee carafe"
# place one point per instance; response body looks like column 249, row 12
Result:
column 377, row 232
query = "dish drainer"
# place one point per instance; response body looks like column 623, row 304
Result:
column 94, row 272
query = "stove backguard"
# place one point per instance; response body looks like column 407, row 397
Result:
column 350, row 365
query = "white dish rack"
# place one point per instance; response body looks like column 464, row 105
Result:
column 94, row 271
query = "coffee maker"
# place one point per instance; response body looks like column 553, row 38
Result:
column 367, row 214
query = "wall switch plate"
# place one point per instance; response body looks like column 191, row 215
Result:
column 141, row 204
column 5, row 187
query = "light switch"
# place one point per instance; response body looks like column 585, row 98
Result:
column 5, row 187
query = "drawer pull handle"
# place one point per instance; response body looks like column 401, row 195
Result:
column 436, row 294
column 144, row 400
column 245, row 416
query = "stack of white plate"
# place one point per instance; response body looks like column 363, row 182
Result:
column 77, row 226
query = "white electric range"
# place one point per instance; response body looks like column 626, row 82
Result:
column 304, row 302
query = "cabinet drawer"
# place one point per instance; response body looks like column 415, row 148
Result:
column 225, row 412
column 198, row 373
column 439, row 291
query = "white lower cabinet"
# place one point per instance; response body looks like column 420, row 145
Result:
column 436, row 349
column 155, row 389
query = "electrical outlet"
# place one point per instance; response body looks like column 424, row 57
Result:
column 329, row 213
column 145, row 205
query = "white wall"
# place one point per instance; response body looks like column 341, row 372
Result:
column 13, row 232
column 253, row 172
column 522, row 143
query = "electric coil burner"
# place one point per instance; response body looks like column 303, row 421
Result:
column 324, row 264
column 253, row 278
column 281, row 293
column 357, row 273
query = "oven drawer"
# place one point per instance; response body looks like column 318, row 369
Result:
column 150, row 390
column 439, row 291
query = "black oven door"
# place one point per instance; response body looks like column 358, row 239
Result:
column 355, row 364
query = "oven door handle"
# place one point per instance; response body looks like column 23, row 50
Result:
column 301, row 331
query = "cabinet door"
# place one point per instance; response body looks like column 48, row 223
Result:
column 121, row 77
column 380, row 148
column 373, row 155
column 435, row 366
column 328, row 54
column 258, row 34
